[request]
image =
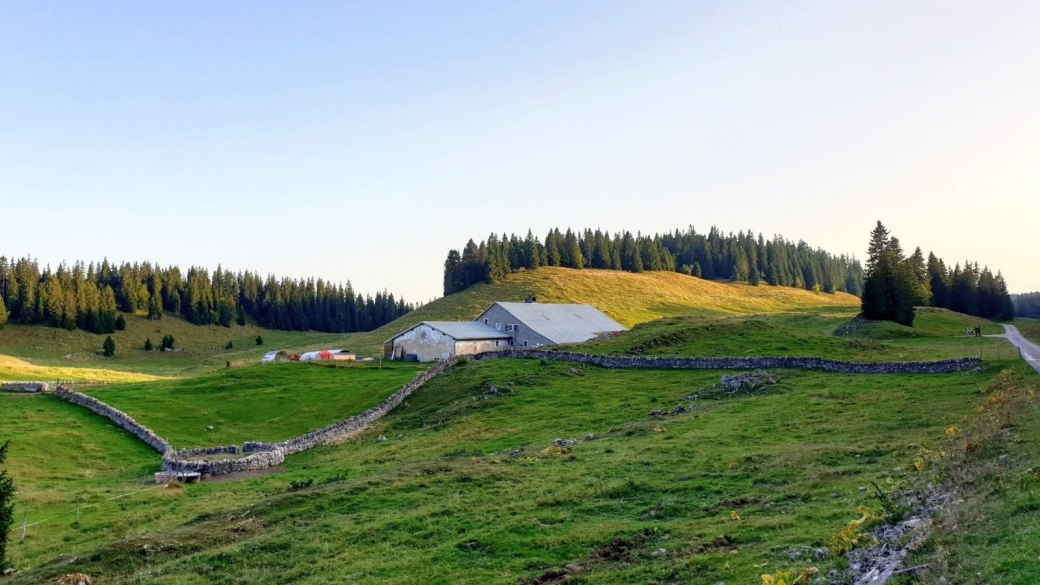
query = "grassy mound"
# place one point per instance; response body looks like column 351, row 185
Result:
column 828, row 333
column 626, row 297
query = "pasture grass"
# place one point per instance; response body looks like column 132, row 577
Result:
column 469, row 489
column 1029, row 328
column 271, row 402
column 198, row 349
column 14, row 369
column 937, row 334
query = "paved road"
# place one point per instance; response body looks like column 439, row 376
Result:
column 1030, row 351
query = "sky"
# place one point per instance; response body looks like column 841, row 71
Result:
column 361, row 141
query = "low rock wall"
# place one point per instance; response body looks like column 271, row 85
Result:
column 739, row 363
column 119, row 417
column 263, row 455
column 28, row 387
column 222, row 450
column 257, row 461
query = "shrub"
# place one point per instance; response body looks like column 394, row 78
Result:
column 6, row 508
column 148, row 344
column 120, row 323
column 167, row 342
column 229, row 345
column 108, row 347
column 259, row 340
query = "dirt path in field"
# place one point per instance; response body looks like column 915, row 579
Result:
column 1029, row 350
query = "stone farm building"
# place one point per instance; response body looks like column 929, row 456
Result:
column 501, row 325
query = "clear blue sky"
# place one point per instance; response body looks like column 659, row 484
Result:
column 363, row 140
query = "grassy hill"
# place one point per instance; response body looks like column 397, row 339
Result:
column 198, row 348
column 626, row 297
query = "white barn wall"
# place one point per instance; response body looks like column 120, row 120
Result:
column 433, row 347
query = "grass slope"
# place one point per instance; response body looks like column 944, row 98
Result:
column 259, row 403
column 1029, row 328
column 626, row 297
column 16, row 369
column 469, row 490
column 198, row 348
column 937, row 333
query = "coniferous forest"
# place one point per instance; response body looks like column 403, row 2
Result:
column 740, row 257
column 897, row 283
column 92, row 297
column 1027, row 305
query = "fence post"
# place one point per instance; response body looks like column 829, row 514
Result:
column 25, row 520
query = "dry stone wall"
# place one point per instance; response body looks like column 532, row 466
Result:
column 257, row 461
column 739, row 363
column 119, row 417
column 28, row 387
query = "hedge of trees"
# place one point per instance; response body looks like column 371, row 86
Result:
column 741, row 257
column 897, row 283
column 1027, row 305
column 91, row 297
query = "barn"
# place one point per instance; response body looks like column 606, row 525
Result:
column 275, row 357
column 533, row 324
column 337, row 355
column 432, row 340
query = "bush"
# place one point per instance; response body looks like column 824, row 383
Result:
column 148, row 344
column 167, row 342
column 229, row 345
column 109, row 347
column 120, row 323
column 259, row 340
column 6, row 508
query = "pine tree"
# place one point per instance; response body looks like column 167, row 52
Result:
column 148, row 344
column 241, row 319
column 120, row 322
column 887, row 292
column 259, row 340
column 109, row 347
column 3, row 313
column 229, row 345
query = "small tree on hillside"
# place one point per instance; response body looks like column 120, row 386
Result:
column 167, row 342
column 109, row 346
column 120, row 322
column 229, row 345
column 148, row 344
column 259, row 340
column 6, row 507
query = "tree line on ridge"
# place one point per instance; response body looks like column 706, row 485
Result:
column 741, row 257
column 92, row 297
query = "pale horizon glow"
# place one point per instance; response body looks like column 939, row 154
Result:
column 362, row 141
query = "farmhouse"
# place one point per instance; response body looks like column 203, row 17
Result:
column 432, row 340
column 527, row 324
column 532, row 324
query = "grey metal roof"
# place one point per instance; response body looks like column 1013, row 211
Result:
column 461, row 330
column 562, row 323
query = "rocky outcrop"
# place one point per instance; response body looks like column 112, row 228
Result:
column 739, row 363
column 123, row 420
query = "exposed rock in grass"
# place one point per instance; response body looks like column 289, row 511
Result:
column 877, row 564
column 746, row 381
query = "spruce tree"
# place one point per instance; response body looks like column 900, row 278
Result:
column 148, row 344
column 120, row 322
column 109, row 347
column 3, row 313
column 259, row 340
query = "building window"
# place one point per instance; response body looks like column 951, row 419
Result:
column 512, row 327
column 485, row 321
column 525, row 343
column 422, row 335
column 498, row 326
